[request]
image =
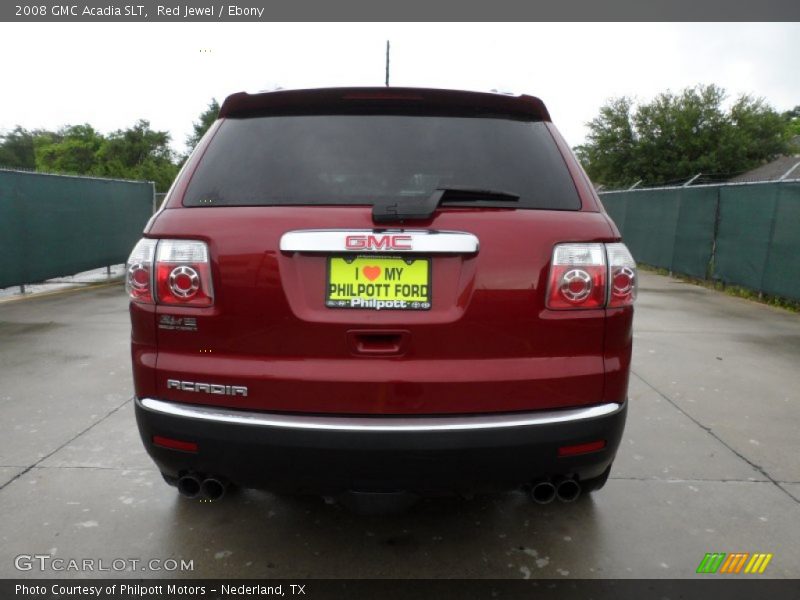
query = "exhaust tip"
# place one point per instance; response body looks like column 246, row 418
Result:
column 213, row 489
column 568, row 490
column 189, row 486
column 543, row 492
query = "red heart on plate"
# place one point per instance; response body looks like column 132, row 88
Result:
column 371, row 273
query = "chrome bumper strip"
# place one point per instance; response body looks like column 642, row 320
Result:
column 377, row 424
column 403, row 241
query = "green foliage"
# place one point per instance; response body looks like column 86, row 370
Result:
column 134, row 153
column 761, row 131
column 676, row 136
column 611, row 144
column 137, row 153
column 16, row 149
column 200, row 127
column 72, row 149
column 793, row 122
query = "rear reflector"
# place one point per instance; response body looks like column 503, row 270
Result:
column 586, row 448
column 166, row 442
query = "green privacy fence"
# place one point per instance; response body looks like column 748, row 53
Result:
column 746, row 234
column 54, row 225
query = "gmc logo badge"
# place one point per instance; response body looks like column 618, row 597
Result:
column 378, row 242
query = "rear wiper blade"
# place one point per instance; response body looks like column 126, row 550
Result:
column 423, row 208
column 462, row 192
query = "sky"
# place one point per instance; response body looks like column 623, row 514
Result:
column 111, row 74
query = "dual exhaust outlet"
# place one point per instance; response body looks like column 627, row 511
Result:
column 544, row 491
column 208, row 488
column 566, row 489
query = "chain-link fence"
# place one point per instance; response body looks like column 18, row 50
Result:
column 743, row 234
column 56, row 225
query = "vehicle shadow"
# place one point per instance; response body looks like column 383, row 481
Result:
column 261, row 535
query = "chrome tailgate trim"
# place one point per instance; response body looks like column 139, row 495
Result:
column 422, row 241
column 377, row 424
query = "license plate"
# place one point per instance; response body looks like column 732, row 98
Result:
column 379, row 283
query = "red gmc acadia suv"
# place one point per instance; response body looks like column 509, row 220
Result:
column 382, row 291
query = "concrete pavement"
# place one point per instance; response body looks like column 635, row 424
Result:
column 709, row 463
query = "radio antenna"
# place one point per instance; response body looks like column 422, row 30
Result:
column 387, row 63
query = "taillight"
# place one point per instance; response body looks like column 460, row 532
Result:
column 183, row 273
column 622, row 275
column 577, row 277
column 139, row 272
column 170, row 272
column 591, row 275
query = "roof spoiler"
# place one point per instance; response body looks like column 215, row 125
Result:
column 383, row 100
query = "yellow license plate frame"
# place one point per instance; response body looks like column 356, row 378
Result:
column 370, row 282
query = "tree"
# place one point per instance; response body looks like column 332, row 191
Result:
column 757, row 134
column 793, row 121
column 611, row 144
column 73, row 149
column 207, row 118
column 137, row 153
column 16, row 149
column 676, row 136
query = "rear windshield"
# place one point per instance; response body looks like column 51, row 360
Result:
column 347, row 159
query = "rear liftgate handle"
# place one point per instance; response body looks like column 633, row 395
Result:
column 372, row 342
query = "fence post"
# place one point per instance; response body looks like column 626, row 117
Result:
column 769, row 241
column 678, row 204
column 789, row 172
column 712, row 260
column 691, row 181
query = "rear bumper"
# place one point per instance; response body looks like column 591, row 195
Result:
column 325, row 454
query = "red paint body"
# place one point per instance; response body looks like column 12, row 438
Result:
column 488, row 344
